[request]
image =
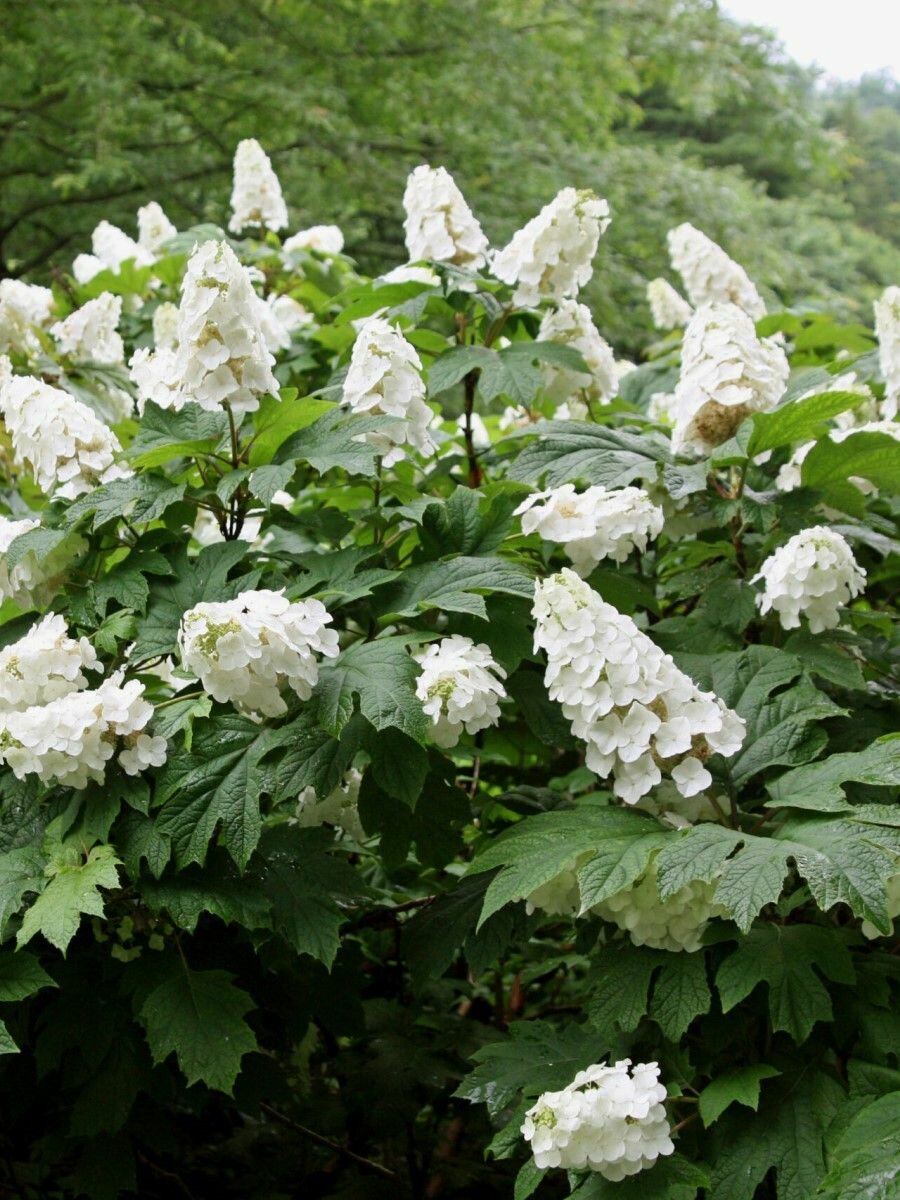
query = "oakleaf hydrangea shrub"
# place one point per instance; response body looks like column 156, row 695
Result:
column 440, row 758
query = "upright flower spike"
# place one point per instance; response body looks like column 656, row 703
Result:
column 256, row 199
column 111, row 248
column 610, row 1119
column 709, row 275
column 324, row 239
column 154, row 228
column 571, row 324
column 384, row 379
column 247, row 650
column 221, row 355
column 91, row 332
column 887, row 330
column 727, row 372
column 811, row 575
column 595, row 525
column 552, row 256
column 67, row 447
column 669, row 310
column 638, row 713
column 439, row 224
column 459, row 688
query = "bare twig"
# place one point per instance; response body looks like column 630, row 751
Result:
column 366, row 1163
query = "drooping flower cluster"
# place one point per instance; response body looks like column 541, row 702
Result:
column 439, row 224
column 70, row 740
column 609, row 1119
column 571, row 324
column 246, row 650
column 256, row 199
column 91, row 332
column 668, row 308
column 67, row 447
column 727, row 372
column 638, row 713
column 459, row 688
column 860, row 419
column 324, row 239
column 221, row 355
column 676, row 923
column 385, row 379
column 709, row 275
column 892, row 898
column 887, row 330
column 111, row 248
column 812, row 575
column 340, row 808
column 280, row 317
column 21, row 581
column 552, row 256
column 23, row 306
column 154, row 228
column 594, row 525
column 44, row 665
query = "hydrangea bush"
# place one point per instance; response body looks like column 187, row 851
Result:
column 440, row 759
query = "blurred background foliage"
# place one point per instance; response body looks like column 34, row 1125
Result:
column 666, row 107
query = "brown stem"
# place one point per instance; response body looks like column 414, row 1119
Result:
column 470, row 383
column 366, row 1163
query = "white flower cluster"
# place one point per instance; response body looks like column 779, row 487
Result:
column 459, row 688
column 385, row 379
column 154, row 228
column 411, row 274
column 44, row 665
column 22, row 582
column 256, row 199
column 861, row 419
column 247, row 649
column 676, row 923
column 70, row 740
column 22, row 307
column 709, row 275
column 339, row 809
column 91, row 332
column 552, row 256
column 280, row 317
column 221, row 355
column 439, row 224
column 571, row 324
column 68, row 448
column 887, row 330
column 639, row 714
column 324, row 239
column 609, row 1119
column 813, row 575
column 165, row 326
column 111, row 248
column 668, row 309
column 594, row 525
column 727, row 372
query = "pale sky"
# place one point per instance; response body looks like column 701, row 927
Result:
column 847, row 38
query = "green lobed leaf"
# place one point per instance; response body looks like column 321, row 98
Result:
column 818, row 785
column 199, row 1016
column 799, row 420
column 455, row 585
column 738, row 1086
column 574, row 451
column 71, row 893
column 383, row 674
column 219, row 783
column 784, row 957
